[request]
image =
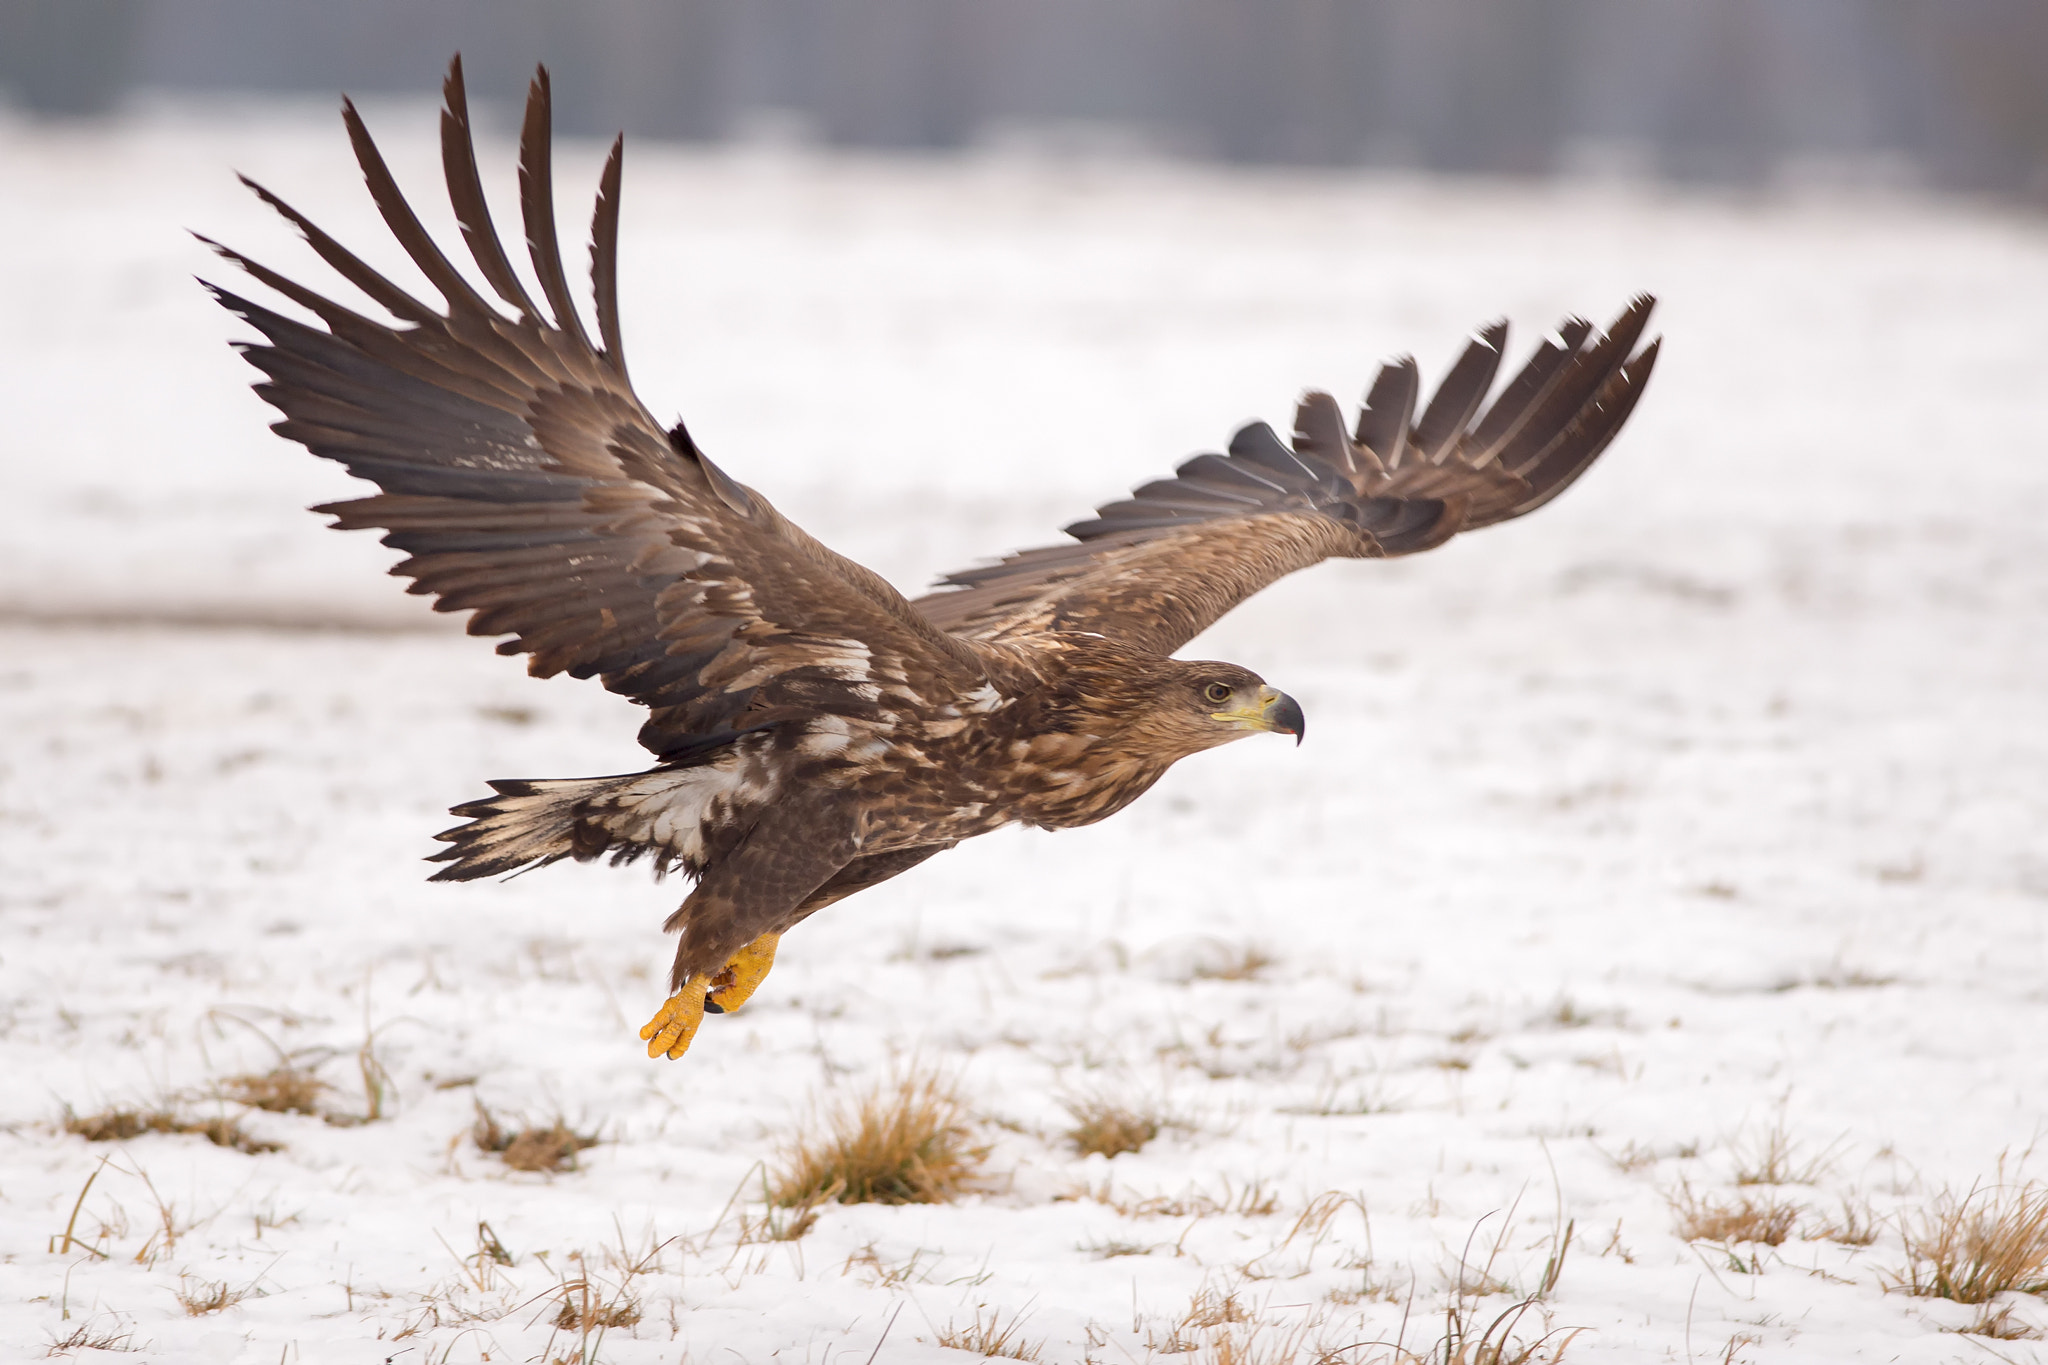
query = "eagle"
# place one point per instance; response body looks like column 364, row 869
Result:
column 814, row 732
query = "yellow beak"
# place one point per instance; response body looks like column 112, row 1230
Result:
column 1272, row 713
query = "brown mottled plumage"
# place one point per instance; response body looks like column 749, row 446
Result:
column 814, row 732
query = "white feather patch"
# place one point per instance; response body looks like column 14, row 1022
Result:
column 669, row 809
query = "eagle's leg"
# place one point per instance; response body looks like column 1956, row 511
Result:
column 749, row 967
column 675, row 1024
column 743, row 903
column 742, row 976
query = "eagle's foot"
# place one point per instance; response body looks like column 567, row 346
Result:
column 742, row 976
column 675, row 1024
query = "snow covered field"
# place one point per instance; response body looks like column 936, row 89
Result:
column 1700, row 813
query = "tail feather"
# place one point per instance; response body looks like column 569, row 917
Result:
column 527, row 824
column 662, row 812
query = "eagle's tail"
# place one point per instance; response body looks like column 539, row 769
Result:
column 529, row 824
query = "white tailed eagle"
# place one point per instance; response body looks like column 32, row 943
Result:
column 815, row 732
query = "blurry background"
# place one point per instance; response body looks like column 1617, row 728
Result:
column 1942, row 92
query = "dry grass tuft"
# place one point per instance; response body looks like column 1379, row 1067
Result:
column 584, row 1309
column 1989, row 1242
column 1234, row 962
column 883, row 1274
column 86, row 1337
column 1631, row 1158
column 1112, row 1127
column 904, row 1142
column 991, row 1338
column 1857, row 1227
column 782, row 1223
column 529, row 1148
column 208, row 1296
column 1251, row 1341
column 1254, row 1347
column 1496, row 1343
column 1263, row 1344
column 1776, row 1159
column 1253, row 1200
column 1113, row 1248
column 1764, row 1218
column 120, row 1125
column 1209, row 1310
column 1567, row 1013
column 281, row 1090
column 1998, row 1324
column 1469, row 1338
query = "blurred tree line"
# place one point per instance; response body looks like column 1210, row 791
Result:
column 1952, row 91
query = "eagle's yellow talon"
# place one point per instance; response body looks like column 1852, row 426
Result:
column 743, row 975
column 675, row 1024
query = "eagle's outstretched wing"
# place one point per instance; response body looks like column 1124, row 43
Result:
column 529, row 485
column 1159, row 567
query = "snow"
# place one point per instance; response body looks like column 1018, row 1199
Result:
column 1704, row 805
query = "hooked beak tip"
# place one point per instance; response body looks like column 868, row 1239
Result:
column 1284, row 715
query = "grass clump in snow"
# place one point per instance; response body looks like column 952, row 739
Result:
column 1220, row 1328
column 1111, row 1127
column 530, row 1148
column 1999, row 1324
column 785, row 1222
column 1775, row 1159
column 1989, row 1242
column 584, row 1309
column 1496, row 1343
column 1858, row 1226
column 1748, row 1217
column 208, row 1296
column 904, row 1142
column 1207, row 1311
column 120, row 1125
column 86, row 1337
column 281, row 1090
column 991, row 1338
column 1252, row 1200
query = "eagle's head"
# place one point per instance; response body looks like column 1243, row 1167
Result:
column 1200, row 704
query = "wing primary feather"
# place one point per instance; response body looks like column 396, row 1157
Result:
column 372, row 339
column 1524, row 391
column 1256, row 480
column 1112, row 522
column 1588, row 370
column 1193, row 474
column 367, row 341
column 537, row 207
column 1389, row 409
column 1189, row 494
column 1261, row 445
column 466, row 195
column 1591, row 431
column 316, row 360
column 1459, row 396
column 347, row 264
column 403, row 222
column 604, row 256
column 1319, row 434
column 343, row 322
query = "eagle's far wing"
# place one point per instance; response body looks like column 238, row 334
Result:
column 1159, row 567
column 527, row 483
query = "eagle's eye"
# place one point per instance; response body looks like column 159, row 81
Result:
column 1216, row 693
